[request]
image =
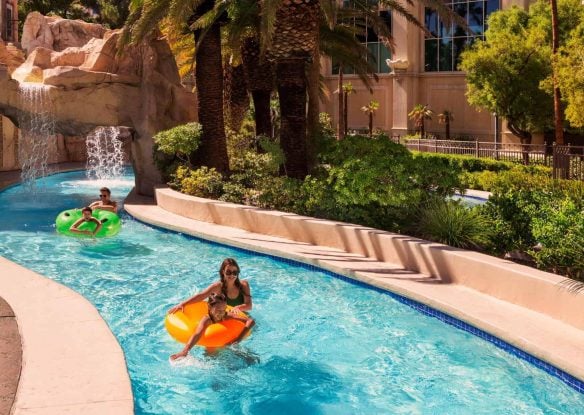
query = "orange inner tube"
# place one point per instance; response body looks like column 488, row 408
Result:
column 182, row 324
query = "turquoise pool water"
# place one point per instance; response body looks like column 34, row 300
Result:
column 321, row 346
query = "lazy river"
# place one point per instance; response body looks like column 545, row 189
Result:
column 322, row 345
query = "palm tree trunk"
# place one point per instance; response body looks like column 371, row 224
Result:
column 209, row 79
column 341, row 122
column 370, row 124
column 558, row 116
column 313, row 106
column 346, row 113
column 260, row 80
column 236, row 97
column 291, row 77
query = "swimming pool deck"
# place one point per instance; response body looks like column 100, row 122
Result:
column 72, row 363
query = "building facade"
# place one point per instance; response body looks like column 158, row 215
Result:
column 423, row 69
column 9, row 20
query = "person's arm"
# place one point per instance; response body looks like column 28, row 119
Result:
column 75, row 227
column 97, row 227
column 247, row 302
column 249, row 323
column 203, row 324
column 197, row 297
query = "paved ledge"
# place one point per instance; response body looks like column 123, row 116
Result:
column 547, row 338
column 10, row 357
column 72, row 363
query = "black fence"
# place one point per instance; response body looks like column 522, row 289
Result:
column 567, row 161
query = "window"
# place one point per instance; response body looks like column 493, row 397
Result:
column 9, row 22
column 442, row 50
column 379, row 52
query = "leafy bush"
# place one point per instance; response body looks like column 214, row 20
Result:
column 559, row 230
column 175, row 147
column 451, row 223
column 181, row 141
column 202, row 182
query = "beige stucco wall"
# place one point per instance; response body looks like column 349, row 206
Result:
column 527, row 287
column 398, row 93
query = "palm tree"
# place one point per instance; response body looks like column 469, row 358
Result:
column 370, row 110
column 236, row 99
column 145, row 17
column 419, row 114
column 347, row 90
column 259, row 75
column 558, row 116
column 445, row 118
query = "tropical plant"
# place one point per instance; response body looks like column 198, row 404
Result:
column 370, row 110
column 181, row 141
column 419, row 114
column 452, row 223
column 445, row 118
column 202, row 182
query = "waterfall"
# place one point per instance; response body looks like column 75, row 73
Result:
column 37, row 126
column 105, row 153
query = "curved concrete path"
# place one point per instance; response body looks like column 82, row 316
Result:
column 71, row 361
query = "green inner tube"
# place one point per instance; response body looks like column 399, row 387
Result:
column 110, row 223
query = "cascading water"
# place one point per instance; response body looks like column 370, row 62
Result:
column 37, row 128
column 105, row 154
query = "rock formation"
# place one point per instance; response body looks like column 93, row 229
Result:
column 91, row 84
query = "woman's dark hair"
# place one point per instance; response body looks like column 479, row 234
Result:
column 215, row 298
column 228, row 262
column 105, row 189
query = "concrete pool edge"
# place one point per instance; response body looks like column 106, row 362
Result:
column 541, row 336
column 62, row 332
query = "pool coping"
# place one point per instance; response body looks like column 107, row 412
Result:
column 550, row 344
column 60, row 332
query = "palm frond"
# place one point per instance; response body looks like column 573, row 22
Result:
column 269, row 9
column 153, row 11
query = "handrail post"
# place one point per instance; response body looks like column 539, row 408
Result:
column 477, row 148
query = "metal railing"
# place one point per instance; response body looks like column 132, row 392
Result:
column 567, row 161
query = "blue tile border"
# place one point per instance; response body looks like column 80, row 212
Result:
column 552, row 370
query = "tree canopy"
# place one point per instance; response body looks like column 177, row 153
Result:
column 510, row 71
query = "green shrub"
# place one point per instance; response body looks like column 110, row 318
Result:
column 202, row 182
column 559, row 230
column 181, row 141
column 451, row 223
column 175, row 147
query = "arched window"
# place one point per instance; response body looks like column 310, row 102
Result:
column 442, row 50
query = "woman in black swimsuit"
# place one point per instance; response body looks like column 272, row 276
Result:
column 236, row 291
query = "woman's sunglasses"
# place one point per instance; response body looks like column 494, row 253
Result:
column 229, row 273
